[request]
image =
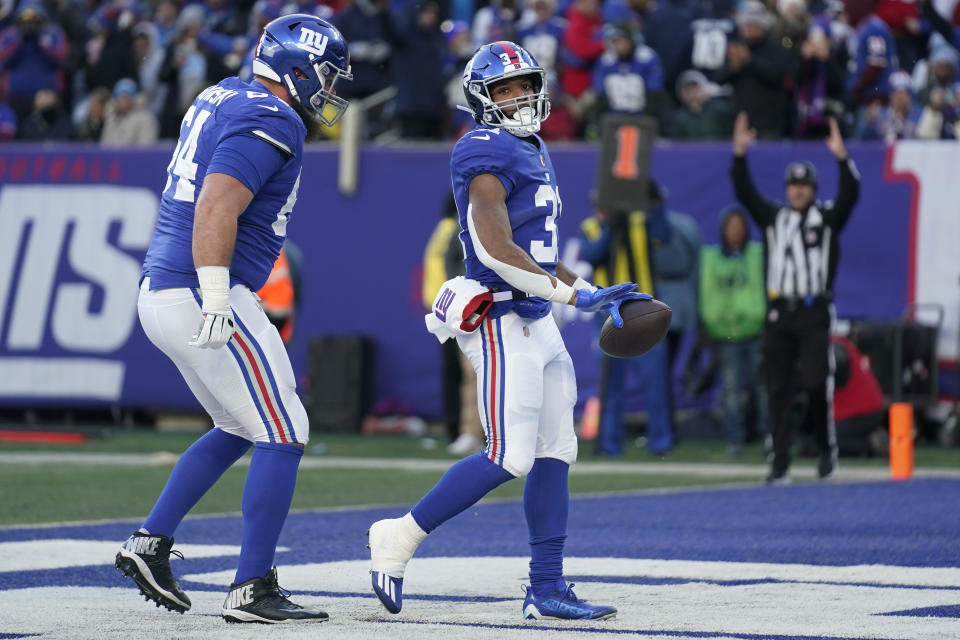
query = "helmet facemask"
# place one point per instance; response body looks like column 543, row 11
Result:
column 528, row 110
column 324, row 104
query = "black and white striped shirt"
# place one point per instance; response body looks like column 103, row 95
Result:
column 800, row 247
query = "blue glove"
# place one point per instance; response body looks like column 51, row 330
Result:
column 609, row 299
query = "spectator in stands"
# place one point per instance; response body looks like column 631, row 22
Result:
column 666, row 30
column 941, row 68
column 91, row 114
column 129, row 123
column 711, row 34
column 816, row 70
column 110, row 48
column 757, row 66
column 733, row 305
column 368, row 26
column 582, row 46
column 898, row 121
column 48, row 121
column 8, row 123
column 703, row 114
column 459, row 51
column 631, row 11
column 222, row 17
column 940, row 118
column 541, row 33
column 628, row 78
column 496, row 21
column 165, row 19
column 149, row 55
column 33, row 54
column 909, row 37
column 72, row 17
column 873, row 55
column 417, row 65
column 184, row 70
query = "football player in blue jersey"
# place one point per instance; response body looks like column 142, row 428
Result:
column 506, row 192
column 231, row 185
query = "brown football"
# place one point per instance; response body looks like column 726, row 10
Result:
column 645, row 322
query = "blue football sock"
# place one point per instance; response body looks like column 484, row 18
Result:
column 546, row 502
column 196, row 471
column 461, row 486
column 267, row 495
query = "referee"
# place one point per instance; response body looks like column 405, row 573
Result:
column 800, row 258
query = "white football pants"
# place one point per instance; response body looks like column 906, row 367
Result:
column 247, row 386
column 526, row 390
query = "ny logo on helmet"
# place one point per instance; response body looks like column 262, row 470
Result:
column 313, row 41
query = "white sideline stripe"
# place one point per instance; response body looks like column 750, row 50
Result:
column 489, row 573
column 801, row 470
column 61, row 553
column 93, row 378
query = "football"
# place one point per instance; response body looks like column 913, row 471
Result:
column 645, row 322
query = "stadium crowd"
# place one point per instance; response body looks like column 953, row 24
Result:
column 123, row 72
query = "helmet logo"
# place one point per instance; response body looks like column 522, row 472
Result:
column 513, row 63
column 510, row 58
column 312, row 41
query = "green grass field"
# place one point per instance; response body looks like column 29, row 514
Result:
column 35, row 493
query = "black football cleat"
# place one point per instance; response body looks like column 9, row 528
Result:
column 263, row 600
column 146, row 559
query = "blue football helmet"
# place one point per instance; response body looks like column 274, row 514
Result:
column 500, row 61
column 307, row 55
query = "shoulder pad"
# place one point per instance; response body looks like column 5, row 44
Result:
column 481, row 150
column 268, row 118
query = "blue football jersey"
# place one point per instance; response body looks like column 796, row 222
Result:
column 872, row 45
column 533, row 204
column 625, row 83
column 260, row 141
column 543, row 41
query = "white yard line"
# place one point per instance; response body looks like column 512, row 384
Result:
column 803, row 469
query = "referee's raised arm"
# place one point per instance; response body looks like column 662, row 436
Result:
column 759, row 209
column 848, row 191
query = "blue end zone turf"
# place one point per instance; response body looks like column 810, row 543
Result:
column 913, row 524
column 783, row 541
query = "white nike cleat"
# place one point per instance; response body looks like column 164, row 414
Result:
column 392, row 543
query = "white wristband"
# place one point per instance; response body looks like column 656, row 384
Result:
column 214, row 289
column 562, row 293
column 580, row 283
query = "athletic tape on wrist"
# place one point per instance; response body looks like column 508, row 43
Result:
column 214, row 288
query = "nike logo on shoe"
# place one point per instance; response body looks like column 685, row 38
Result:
column 143, row 545
column 241, row 597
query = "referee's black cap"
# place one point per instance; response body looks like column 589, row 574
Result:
column 800, row 172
